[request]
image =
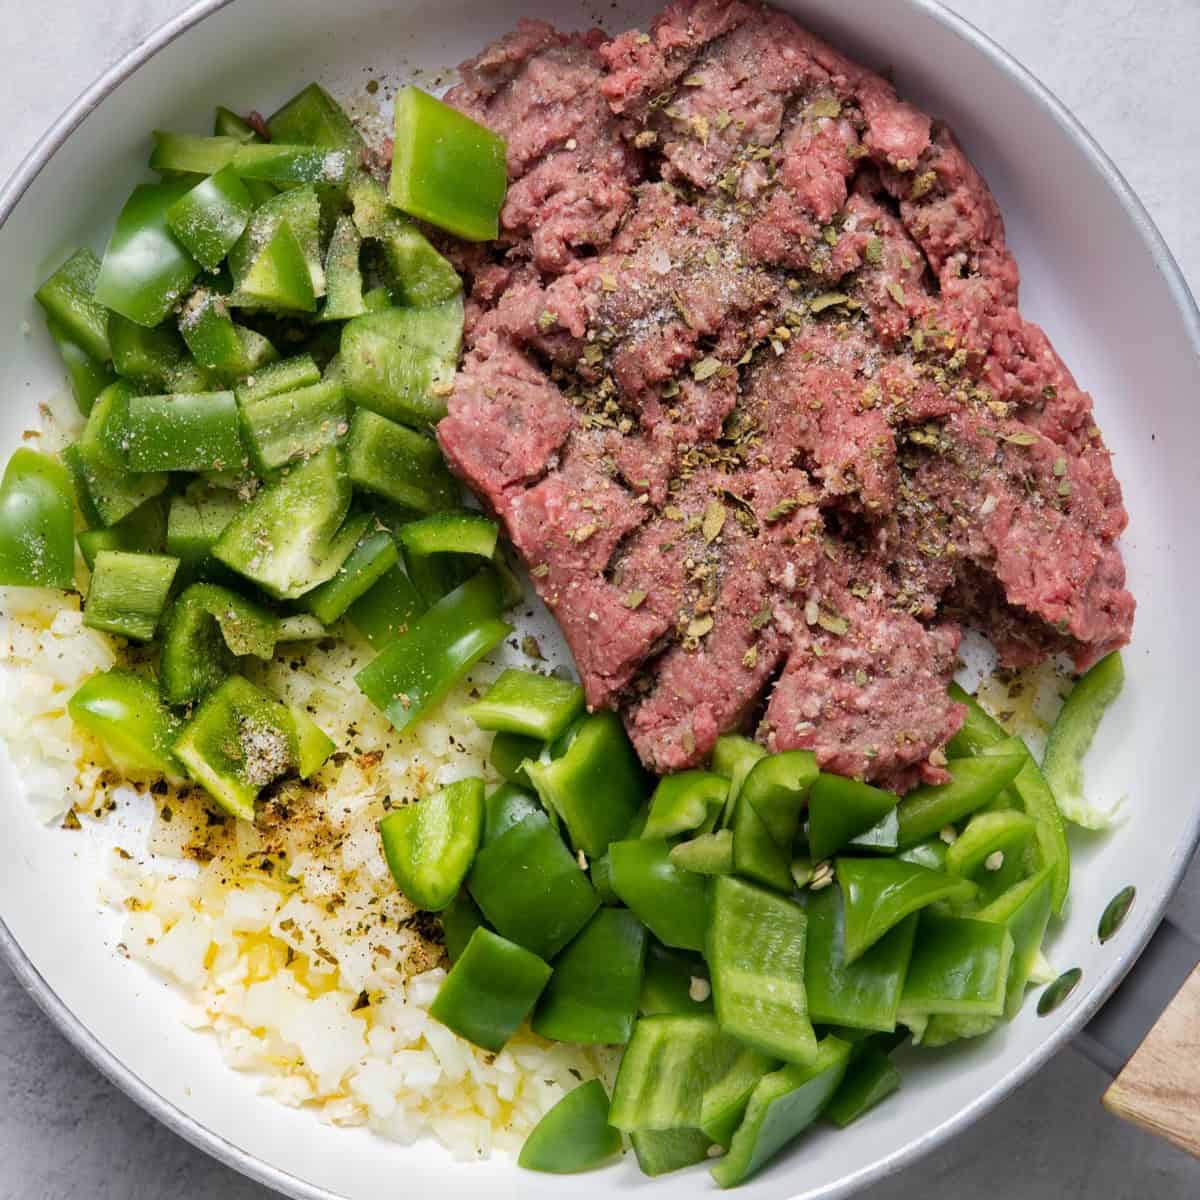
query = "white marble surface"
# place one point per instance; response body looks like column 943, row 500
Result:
column 1130, row 69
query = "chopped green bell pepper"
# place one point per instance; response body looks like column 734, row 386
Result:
column 373, row 557
column 227, row 123
column 777, row 788
column 879, row 893
column 959, row 967
column 882, row 838
column 430, row 845
column 973, row 782
column 707, row 854
column 505, row 807
column 229, row 351
column 400, row 362
column 509, row 753
column 992, row 851
column 37, row 522
column 398, row 463
column 755, row 949
column 660, row 1151
column 284, row 376
column 145, row 529
column 530, row 888
column 840, row 809
column 69, row 300
column 490, row 990
column 596, row 787
column 734, row 757
column 88, row 376
column 460, row 918
column 1024, row 910
column 574, row 1135
column 523, row 702
column 756, row 854
column 446, row 169
column 781, row 1107
column 154, row 359
column 450, row 533
column 978, row 731
column 128, row 593
column 673, row 904
column 864, row 994
column 209, row 219
column 674, row 981
column 343, row 275
column 592, row 998
column 1072, row 734
column 123, row 710
column 294, row 424
column 145, row 271
column 276, row 263
column 195, row 520
column 685, row 802
column 313, row 118
column 870, row 1079
column 388, row 609
column 191, row 431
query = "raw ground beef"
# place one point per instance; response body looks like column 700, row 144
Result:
column 748, row 386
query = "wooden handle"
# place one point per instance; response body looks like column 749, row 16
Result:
column 1159, row 1089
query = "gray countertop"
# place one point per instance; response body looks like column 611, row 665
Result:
column 66, row 1133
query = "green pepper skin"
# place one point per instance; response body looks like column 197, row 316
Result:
column 69, row 300
column 128, row 593
column 726, row 1098
column 974, row 781
column 430, row 846
column 369, row 561
column 144, row 530
column 685, row 802
column 399, row 464
column 154, row 359
column 145, row 271
column 879, row 893
column 574, row 1135
column 386, row 610
column 209, row 219
column 861, row 995
column 490, row 990
column 343, row 275
column 1024, row 910
column 286, row 375
column 123, row 710
column 669, row 982
column 592, row 998
column 596, row 787
column 415, row 671
column 840, row 809
column 37, row 522
column 777, row 788
column 195, row 520
column 756, row 854
column 870, row 1079
column 672, row 903
column 959, row 967
column 1009, row 834
column 979, row 731
column 276, row 263
column 313, row 117
column 460, row 918
column 196, row 431
column 294, row 424
column 734, row 757
column 529, row 704
column 755, row 950
column 450, row 533
column 660, row 1151
column 1072, row 734
column 505, row 807
column 226, row 123
column 706, row 854
column 782, row 1106
column 530, row 888
column 446, row 169
column 88, row 376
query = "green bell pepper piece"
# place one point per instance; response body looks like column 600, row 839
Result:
column 283, row 164
column 88, row 376
column 343, row 275
column 782, row 1106
column 206, row 629
column 107, row 490
column 450, row 533
column 574, row 1135
column 490, row 990
column 660, row 1151
column 460, row 918
column 128, row 593
column 505, row 807
column 684, row 802
column 596, row 787
column 373, row 557
column 190, row 431
column 509, row 753
column 959, row 967
column 726, row 1099
column 974, row 781
column 1072, row 734
column 415, row 671
column 124, row 712
column 430, row 846
column 313, row 118
column 446, row 169
column 227, row 123
column 294, row 424
column 276, row 263
column 979, row 731
column 879, row 893
column 388, row 609
column 672, row 980
column 523, row 702
column 313, row 745
column 882, row 838
column 229, row 351
column 930, row 854
column 672, row 904
column 287, row 539
column 190, row 154
column 858, row 995
column 145, row 271
column 1006, row 834
column 734, row 757
column 756, row 854
column 398, row 463
column 195, row 520
column 870, row 1079
column 154, row 359
column 840, row 810
column 37, row 522
column 284, row 376
column 755, row 949
column 1024, row 910
column 530, row 888
column 145, row 530
column 592, row 998
column 777, row 789
column 707, row 854
column 208, row 220
column 69, row 300
column 400, row 362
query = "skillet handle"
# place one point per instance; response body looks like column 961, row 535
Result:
column 1159, row 1088
column 1148, row 1036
